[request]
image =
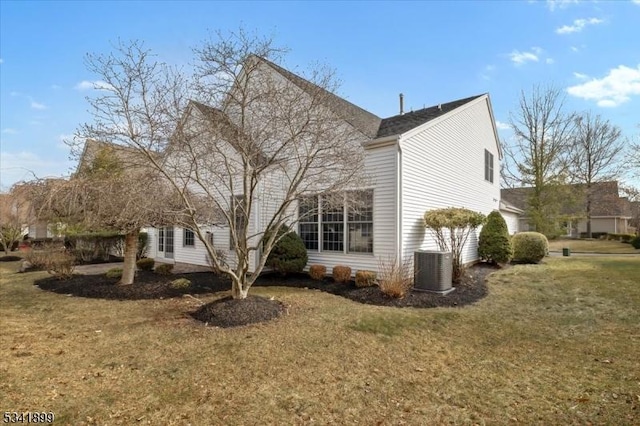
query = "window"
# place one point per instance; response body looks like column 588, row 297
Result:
column 188, row 238
column 240, row 218
column 360, row 221
column 308, row 222
column 160, row 239
column 332, row 225
column 488, row 166
column 346, row 223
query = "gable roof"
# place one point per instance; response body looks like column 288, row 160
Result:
column 361, row 119
column 605, row 200
column 404, row 122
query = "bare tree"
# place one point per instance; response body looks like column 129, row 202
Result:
column 112, row 190
column 255, row 140
column 538, row 157
column 596, row 155
column 15, row 215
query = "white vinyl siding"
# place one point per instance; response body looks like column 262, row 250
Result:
column 381, row 163
column 442, row 167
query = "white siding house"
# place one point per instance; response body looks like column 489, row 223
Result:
column 447, row 155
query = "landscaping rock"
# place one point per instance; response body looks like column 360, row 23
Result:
column 25, row 266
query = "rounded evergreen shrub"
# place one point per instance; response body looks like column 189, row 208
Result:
column 529, row 247
column 494, row 244
column 289, row 254
column 636, row 242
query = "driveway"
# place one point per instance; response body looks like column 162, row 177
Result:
column 573, row 253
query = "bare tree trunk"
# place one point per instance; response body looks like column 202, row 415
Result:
column 130, row 250
column 237, row 290
column 589, row 217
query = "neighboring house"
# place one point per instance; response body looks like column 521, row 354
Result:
column 610, row 213
column 511, row 215
column 447, row 155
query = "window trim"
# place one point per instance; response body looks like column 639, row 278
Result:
column 488, row 166
column 185, row 232
column 161, row 240
column 345, row 222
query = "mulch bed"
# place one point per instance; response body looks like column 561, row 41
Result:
column 149, row 285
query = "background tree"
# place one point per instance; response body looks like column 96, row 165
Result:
column 259, row 136
column 539, row 157
column 113, row 190
column 596, row 155
column 15, row 216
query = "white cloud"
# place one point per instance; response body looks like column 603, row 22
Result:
column 578, row 25
column 95, row 85
column 38, row 105
column 502, row 126
column 10, row 131
column 520, row 58
column 614, row 89
column 487, row 71
column 56, row 87
column 580, row 76
column 560, row 4
column 1, row 61
column 636, row 2
column 549, row 61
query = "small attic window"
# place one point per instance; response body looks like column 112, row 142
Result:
column 488, row 166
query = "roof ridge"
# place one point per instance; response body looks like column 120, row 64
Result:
column 365, row 121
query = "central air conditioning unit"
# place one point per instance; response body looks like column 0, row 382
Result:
column 432, row 271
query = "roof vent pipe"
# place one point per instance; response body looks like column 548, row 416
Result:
column 401, row 104
column 440, row 107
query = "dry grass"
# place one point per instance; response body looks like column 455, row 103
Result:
column 592, row 246
column 554, row 343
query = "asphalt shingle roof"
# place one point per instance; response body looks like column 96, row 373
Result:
column 605, row 200
column 404, row 122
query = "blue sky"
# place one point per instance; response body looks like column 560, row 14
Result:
column 433, row 52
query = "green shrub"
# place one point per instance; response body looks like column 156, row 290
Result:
column 289, row 254
column 317, row 272
column 114, row 273
column 494, row 244
column 626, row 238
column 181, row 284
column 143, row 245
column 636, row 242
column 164, row 269
column 529, row 247
column 146, row 264
column 341, row 274
column 365, row 278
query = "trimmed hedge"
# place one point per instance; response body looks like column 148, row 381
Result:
column 365, row 278
column 317, row 272
column 529, row 247
column 636, row 242
column 341, row 274
column 114, row 273
column 181, row 284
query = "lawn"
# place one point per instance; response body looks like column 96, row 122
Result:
column 592, row 246
column 554, row 343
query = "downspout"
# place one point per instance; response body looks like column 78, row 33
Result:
column 399, row 202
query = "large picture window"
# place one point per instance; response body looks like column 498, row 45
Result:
column 160, row 239
column 338, row 223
